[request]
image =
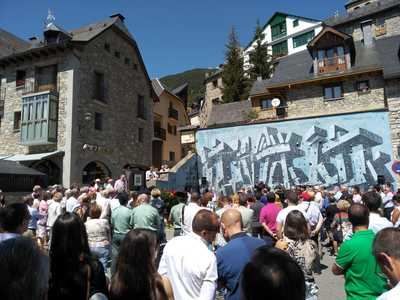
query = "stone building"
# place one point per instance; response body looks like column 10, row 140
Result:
column 169, row 114
column 328, row 116
column 77, row 104
column 212, row 96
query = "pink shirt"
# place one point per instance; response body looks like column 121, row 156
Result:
column 268, row 215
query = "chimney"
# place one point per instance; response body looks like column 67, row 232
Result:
column 368, row 38
column 121, row 17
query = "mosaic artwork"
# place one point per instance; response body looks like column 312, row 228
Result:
column 351, row 149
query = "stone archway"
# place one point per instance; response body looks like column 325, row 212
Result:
column 93, row 170
column 51, row 169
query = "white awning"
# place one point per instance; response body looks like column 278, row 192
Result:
column 33, row 157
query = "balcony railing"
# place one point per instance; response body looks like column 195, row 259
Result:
column 159, row 133
column 173, row 113
column 28, row 87
column 332, row 64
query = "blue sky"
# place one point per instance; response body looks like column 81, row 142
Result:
column 174, row 35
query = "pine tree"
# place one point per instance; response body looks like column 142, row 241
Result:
column 233, row 77
column 260, row 59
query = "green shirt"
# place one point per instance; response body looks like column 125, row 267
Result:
column 120, row 218
column 363, row 277
column 145, row 216
column 175, row 215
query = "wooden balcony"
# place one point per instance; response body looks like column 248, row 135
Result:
column 333, row 64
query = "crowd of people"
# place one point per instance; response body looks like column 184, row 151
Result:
column 104, row 242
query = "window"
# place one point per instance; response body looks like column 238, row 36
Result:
column 107, row 47
column 98, row 92
column 117, row 54
column 17, row 120
column 172, row 156
column 140, row 135
column 141, row 111
column 280, row 49
column 127, row 61
column 362, row 86
column 296, row 23
column 20, row 78
column 174, row 130
column 333, row 92
column 266, row 103
column 303, row 39
column 46, row 78
column 278, row 30
column 169, row 128
column 39, row 119
column 98, row 121
column 135, row 67
column 215, row 83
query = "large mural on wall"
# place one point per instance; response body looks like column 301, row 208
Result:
column 349, row 149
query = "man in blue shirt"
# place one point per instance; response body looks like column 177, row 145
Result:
column 232, row 258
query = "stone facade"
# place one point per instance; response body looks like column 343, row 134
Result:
column 390, row 27
column 213, row 95
column 393, row 100
column 117, row 144
column 308, row 100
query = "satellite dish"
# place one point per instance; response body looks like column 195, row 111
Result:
column 275, row 102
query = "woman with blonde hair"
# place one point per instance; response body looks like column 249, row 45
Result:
column 235, row 200
column 341, row 226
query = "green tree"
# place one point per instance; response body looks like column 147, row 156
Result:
column 233, row 77
column 260, row 59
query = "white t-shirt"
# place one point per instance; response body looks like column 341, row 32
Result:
column 311, row 211
column 70, row 204
column 191, row 267
column 53, row 212
column 393, row 294
column 377, row 223
column 190, row 211
column 281, row 217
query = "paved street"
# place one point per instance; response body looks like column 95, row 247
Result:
column 330, row 287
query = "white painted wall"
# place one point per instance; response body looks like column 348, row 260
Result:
column 304, row 24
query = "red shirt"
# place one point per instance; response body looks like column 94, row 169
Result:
column 268, row 215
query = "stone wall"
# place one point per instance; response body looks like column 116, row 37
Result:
column 393, row 100
column 10, row 138
column 308, row 100
column 212, row 93
column 392, row 20
column 125, row 80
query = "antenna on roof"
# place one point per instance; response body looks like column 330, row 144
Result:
column 337, row 13
column 50, row 18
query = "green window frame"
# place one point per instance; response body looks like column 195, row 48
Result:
column 303, row 39
column 278, row 30
column 280, row 49
column 39, row 119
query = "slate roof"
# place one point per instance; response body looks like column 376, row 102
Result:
column 229, row 113
column 88, row 32
column 10, row 43
column 82, row 34
column 159, row 88
column 14, row 168
column 299, row 67
column 364, row 11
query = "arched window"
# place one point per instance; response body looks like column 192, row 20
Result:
column 93, row 170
